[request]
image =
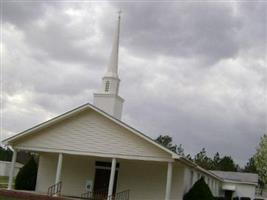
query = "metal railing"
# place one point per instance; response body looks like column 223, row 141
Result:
column 55, row 189
column 124, row 195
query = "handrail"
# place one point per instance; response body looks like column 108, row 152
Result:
column 124, row 195
column 55, row 189
column 94, row 195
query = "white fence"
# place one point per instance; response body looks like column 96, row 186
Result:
column 5, row 167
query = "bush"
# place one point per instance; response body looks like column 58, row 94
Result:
column 236, row 198
column 199, row 191
column 26, row 178
column 219, row 198
column 244, row 198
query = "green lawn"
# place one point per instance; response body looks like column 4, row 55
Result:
column 3, row 179
column 7, row 198
column 3, row 182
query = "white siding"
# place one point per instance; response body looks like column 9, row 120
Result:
column 46, row 172
column 90, row 132
column 243, row 190
column 145, row 180
column 209, row 179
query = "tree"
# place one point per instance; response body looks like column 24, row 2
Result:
column 251, row 166
column 261, row 159
column 216, row 160
column 203, row 160
column 188, row 157
column 199, row 191
column 5, row 154
column 26, row 178
column 166, row 141
column 180, row 150
column 227, row 164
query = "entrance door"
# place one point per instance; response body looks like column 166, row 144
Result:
column 101, row 180
column 228, row 194
column 102, row 175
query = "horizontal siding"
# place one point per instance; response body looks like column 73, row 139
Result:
column 93, row 133
column 145, row 180
column 189, row 181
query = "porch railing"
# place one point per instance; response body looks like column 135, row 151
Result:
column 55, row 189
column 124, row 195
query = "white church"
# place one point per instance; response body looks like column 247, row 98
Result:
column 89, row 153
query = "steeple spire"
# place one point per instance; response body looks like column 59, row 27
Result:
column 108, row 98
column 112, row 70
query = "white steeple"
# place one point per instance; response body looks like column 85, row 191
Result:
column 112, row 70
column 108, row 99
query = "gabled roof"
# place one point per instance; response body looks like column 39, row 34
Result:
column 86, row 106
column 77, row 110
column 237, row 177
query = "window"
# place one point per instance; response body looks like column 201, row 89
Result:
column 107, row 85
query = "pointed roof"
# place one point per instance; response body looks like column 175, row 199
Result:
column 77, row 110
column 112, row 70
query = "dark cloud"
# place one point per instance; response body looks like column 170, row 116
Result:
column 205, row 31
column 195, row 71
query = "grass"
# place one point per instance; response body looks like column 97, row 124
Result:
column 7, row 198
column 3, row 179
column 3, row 182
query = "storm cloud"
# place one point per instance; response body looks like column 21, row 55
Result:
column 193, row 70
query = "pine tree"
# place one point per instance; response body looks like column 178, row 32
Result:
column 199, row 191
column 26, row 178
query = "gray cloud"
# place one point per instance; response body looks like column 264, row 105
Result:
column 205, row 31
column 195, row 71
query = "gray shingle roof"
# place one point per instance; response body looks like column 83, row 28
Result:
column 237, row 176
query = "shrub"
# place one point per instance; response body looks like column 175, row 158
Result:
column 26, row 178
column 236, row 198
column 244, row 198
column 199, row 191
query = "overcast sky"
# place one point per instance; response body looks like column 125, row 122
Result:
column 192, row 70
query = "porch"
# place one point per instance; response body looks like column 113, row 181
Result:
column 115, row 178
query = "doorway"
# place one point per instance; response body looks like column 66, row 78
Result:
column 102, row 175
column 228, row 194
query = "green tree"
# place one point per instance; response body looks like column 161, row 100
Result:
column 216, row 160
column 203, row 160
column 199, row 191
column 180, row 150
column 5, row 154
column 227, row 164
column 188, row 157
column 261, row 159
column 166, row 141
column 26, row 178
column 251, row 166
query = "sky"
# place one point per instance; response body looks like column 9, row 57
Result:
column 195, row 70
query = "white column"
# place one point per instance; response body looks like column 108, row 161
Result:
column 169, row 182
column 11, row 171
column 59, row 167
column 112, row 177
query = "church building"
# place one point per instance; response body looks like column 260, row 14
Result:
column 88, row 152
